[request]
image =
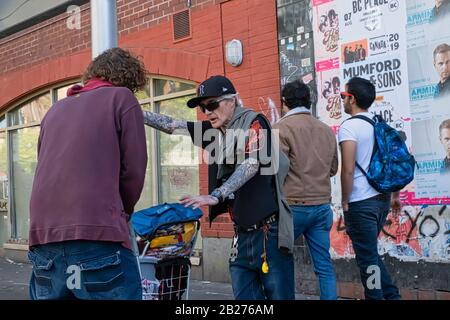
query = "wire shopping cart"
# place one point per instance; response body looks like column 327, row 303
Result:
column 164, row 254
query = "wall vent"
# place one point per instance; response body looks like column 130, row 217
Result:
column 181, row 25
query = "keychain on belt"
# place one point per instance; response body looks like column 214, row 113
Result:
column 265, row 265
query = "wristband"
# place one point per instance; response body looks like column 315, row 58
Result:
column 217, row 194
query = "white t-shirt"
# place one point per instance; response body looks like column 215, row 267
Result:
column 361, row 132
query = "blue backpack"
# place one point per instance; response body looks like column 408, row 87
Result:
column 391, row 166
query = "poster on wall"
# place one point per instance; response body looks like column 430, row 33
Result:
column 372, row 46
column 428, row 34
column 326, row 29
column 326, row 44
column 296, row 46
column 329, row 100
column 392, row 44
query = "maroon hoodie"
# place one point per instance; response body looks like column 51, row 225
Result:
column 92, row 158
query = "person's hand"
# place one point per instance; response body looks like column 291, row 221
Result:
column 344, row 206
column 199, row 201
column 396, row 205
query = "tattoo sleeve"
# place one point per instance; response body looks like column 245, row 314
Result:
column 247, row 170
column 165, row 123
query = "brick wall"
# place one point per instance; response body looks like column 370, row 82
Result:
column 45, row 41
column 138, row 15
column 51, row 38
column 49, row 52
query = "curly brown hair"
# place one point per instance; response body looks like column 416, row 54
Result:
column 120, row 67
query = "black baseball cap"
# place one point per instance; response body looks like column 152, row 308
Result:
column 214, row 86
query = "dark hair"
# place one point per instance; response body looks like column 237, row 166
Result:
column 363, row 90
column 120, row 67
column 442, row 48
column 296, row 94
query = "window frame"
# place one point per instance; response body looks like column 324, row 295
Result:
column 152, row 101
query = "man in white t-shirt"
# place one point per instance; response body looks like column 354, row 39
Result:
column 365, row 209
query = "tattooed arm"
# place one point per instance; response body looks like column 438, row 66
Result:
column 243, row 173
column 165, row 123
column 247, row 170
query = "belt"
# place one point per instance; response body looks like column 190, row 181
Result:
column 259, row 225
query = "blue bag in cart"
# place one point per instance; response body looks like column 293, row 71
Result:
column 163, row 240
column 146, row 221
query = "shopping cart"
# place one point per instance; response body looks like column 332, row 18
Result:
column 164, row 254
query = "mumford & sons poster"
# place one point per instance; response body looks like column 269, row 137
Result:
column 372, row 46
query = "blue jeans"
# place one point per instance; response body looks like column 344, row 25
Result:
column 315, row 223
column 248, row 280
column 84, row 270
column 364, row 221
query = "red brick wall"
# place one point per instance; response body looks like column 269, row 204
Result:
column 138, row 15
column 50, row 52
column 45, row 41
column 51, row 38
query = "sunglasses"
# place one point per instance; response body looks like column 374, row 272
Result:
column 345, row 94
column 211, row 105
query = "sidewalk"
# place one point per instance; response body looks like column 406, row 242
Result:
column 14, row 279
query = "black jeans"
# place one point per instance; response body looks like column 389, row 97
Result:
column 364, row 221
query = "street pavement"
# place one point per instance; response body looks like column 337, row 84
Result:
column 14, row 278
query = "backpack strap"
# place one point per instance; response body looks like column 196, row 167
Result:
column 375, row 146
column 367, row 119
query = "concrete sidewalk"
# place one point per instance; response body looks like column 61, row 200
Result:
column 14, row 278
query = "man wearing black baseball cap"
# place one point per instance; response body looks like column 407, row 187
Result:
column 213, row 87
column 217, row 99
column 263, row 223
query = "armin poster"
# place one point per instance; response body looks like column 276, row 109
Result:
column 429, row 78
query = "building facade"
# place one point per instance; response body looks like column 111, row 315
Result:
column 181, row 43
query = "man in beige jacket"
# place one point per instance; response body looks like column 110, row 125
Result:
column 312, row 150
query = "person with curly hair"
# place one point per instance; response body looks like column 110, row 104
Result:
column 92, row 158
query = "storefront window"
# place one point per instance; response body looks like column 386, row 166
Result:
column 163, row 87
column 143, row 94
column 172, row 170
column 147, row 198
column 2, row 122
column 19, row 133
column 5, row 230
column 24, row 160
column 178, row 156
column 31, row 112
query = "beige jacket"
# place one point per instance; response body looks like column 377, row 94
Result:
column 312, row 150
